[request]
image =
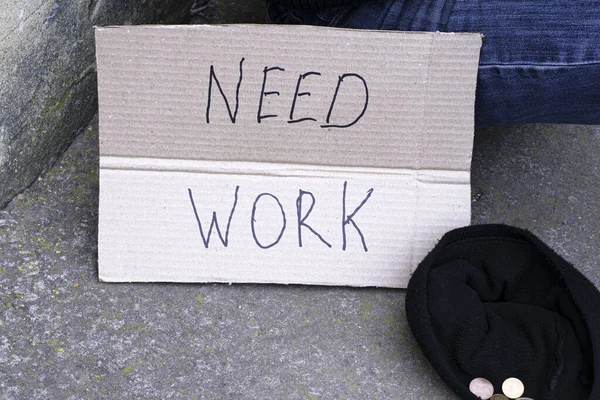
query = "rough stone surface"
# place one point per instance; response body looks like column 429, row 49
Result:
column 47, row 76
column 544, row 178
column 65, row 335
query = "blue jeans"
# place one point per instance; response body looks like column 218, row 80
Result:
column 540, row 60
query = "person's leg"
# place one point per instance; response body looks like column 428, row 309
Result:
column 540, row 61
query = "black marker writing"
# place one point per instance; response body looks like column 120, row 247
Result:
column 350, row 220
column 214, row 223
column 303, row 212
column 260, row 117
column 253, row 220
column 337, row 89
column 301, row 219
column 212, row 77
column 296, row 95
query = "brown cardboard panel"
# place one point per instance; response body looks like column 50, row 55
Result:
column 351, row 184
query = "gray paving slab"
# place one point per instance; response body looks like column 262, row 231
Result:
column 65, row 335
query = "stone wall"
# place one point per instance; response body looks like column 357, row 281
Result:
column 48, row 76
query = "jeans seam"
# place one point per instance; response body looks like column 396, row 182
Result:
column 547, row 65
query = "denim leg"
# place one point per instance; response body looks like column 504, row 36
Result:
column 540, row 60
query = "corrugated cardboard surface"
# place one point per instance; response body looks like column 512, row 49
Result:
column 164, row 166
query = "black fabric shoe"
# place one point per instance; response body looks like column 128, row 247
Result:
column 493, row 301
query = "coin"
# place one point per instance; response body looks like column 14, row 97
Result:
column 481, row 388
column 513, row 388
column 524, row 398
column 499, row 397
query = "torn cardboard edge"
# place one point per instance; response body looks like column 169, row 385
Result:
column 225, row 159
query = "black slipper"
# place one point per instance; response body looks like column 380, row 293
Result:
column 493, row 301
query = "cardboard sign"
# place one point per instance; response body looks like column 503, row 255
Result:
column 280, row 154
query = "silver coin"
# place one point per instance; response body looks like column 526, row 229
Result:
column 513, row 388
column 481, row 388
column 499, row 397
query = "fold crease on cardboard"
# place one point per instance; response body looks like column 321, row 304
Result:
column 280, row 154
